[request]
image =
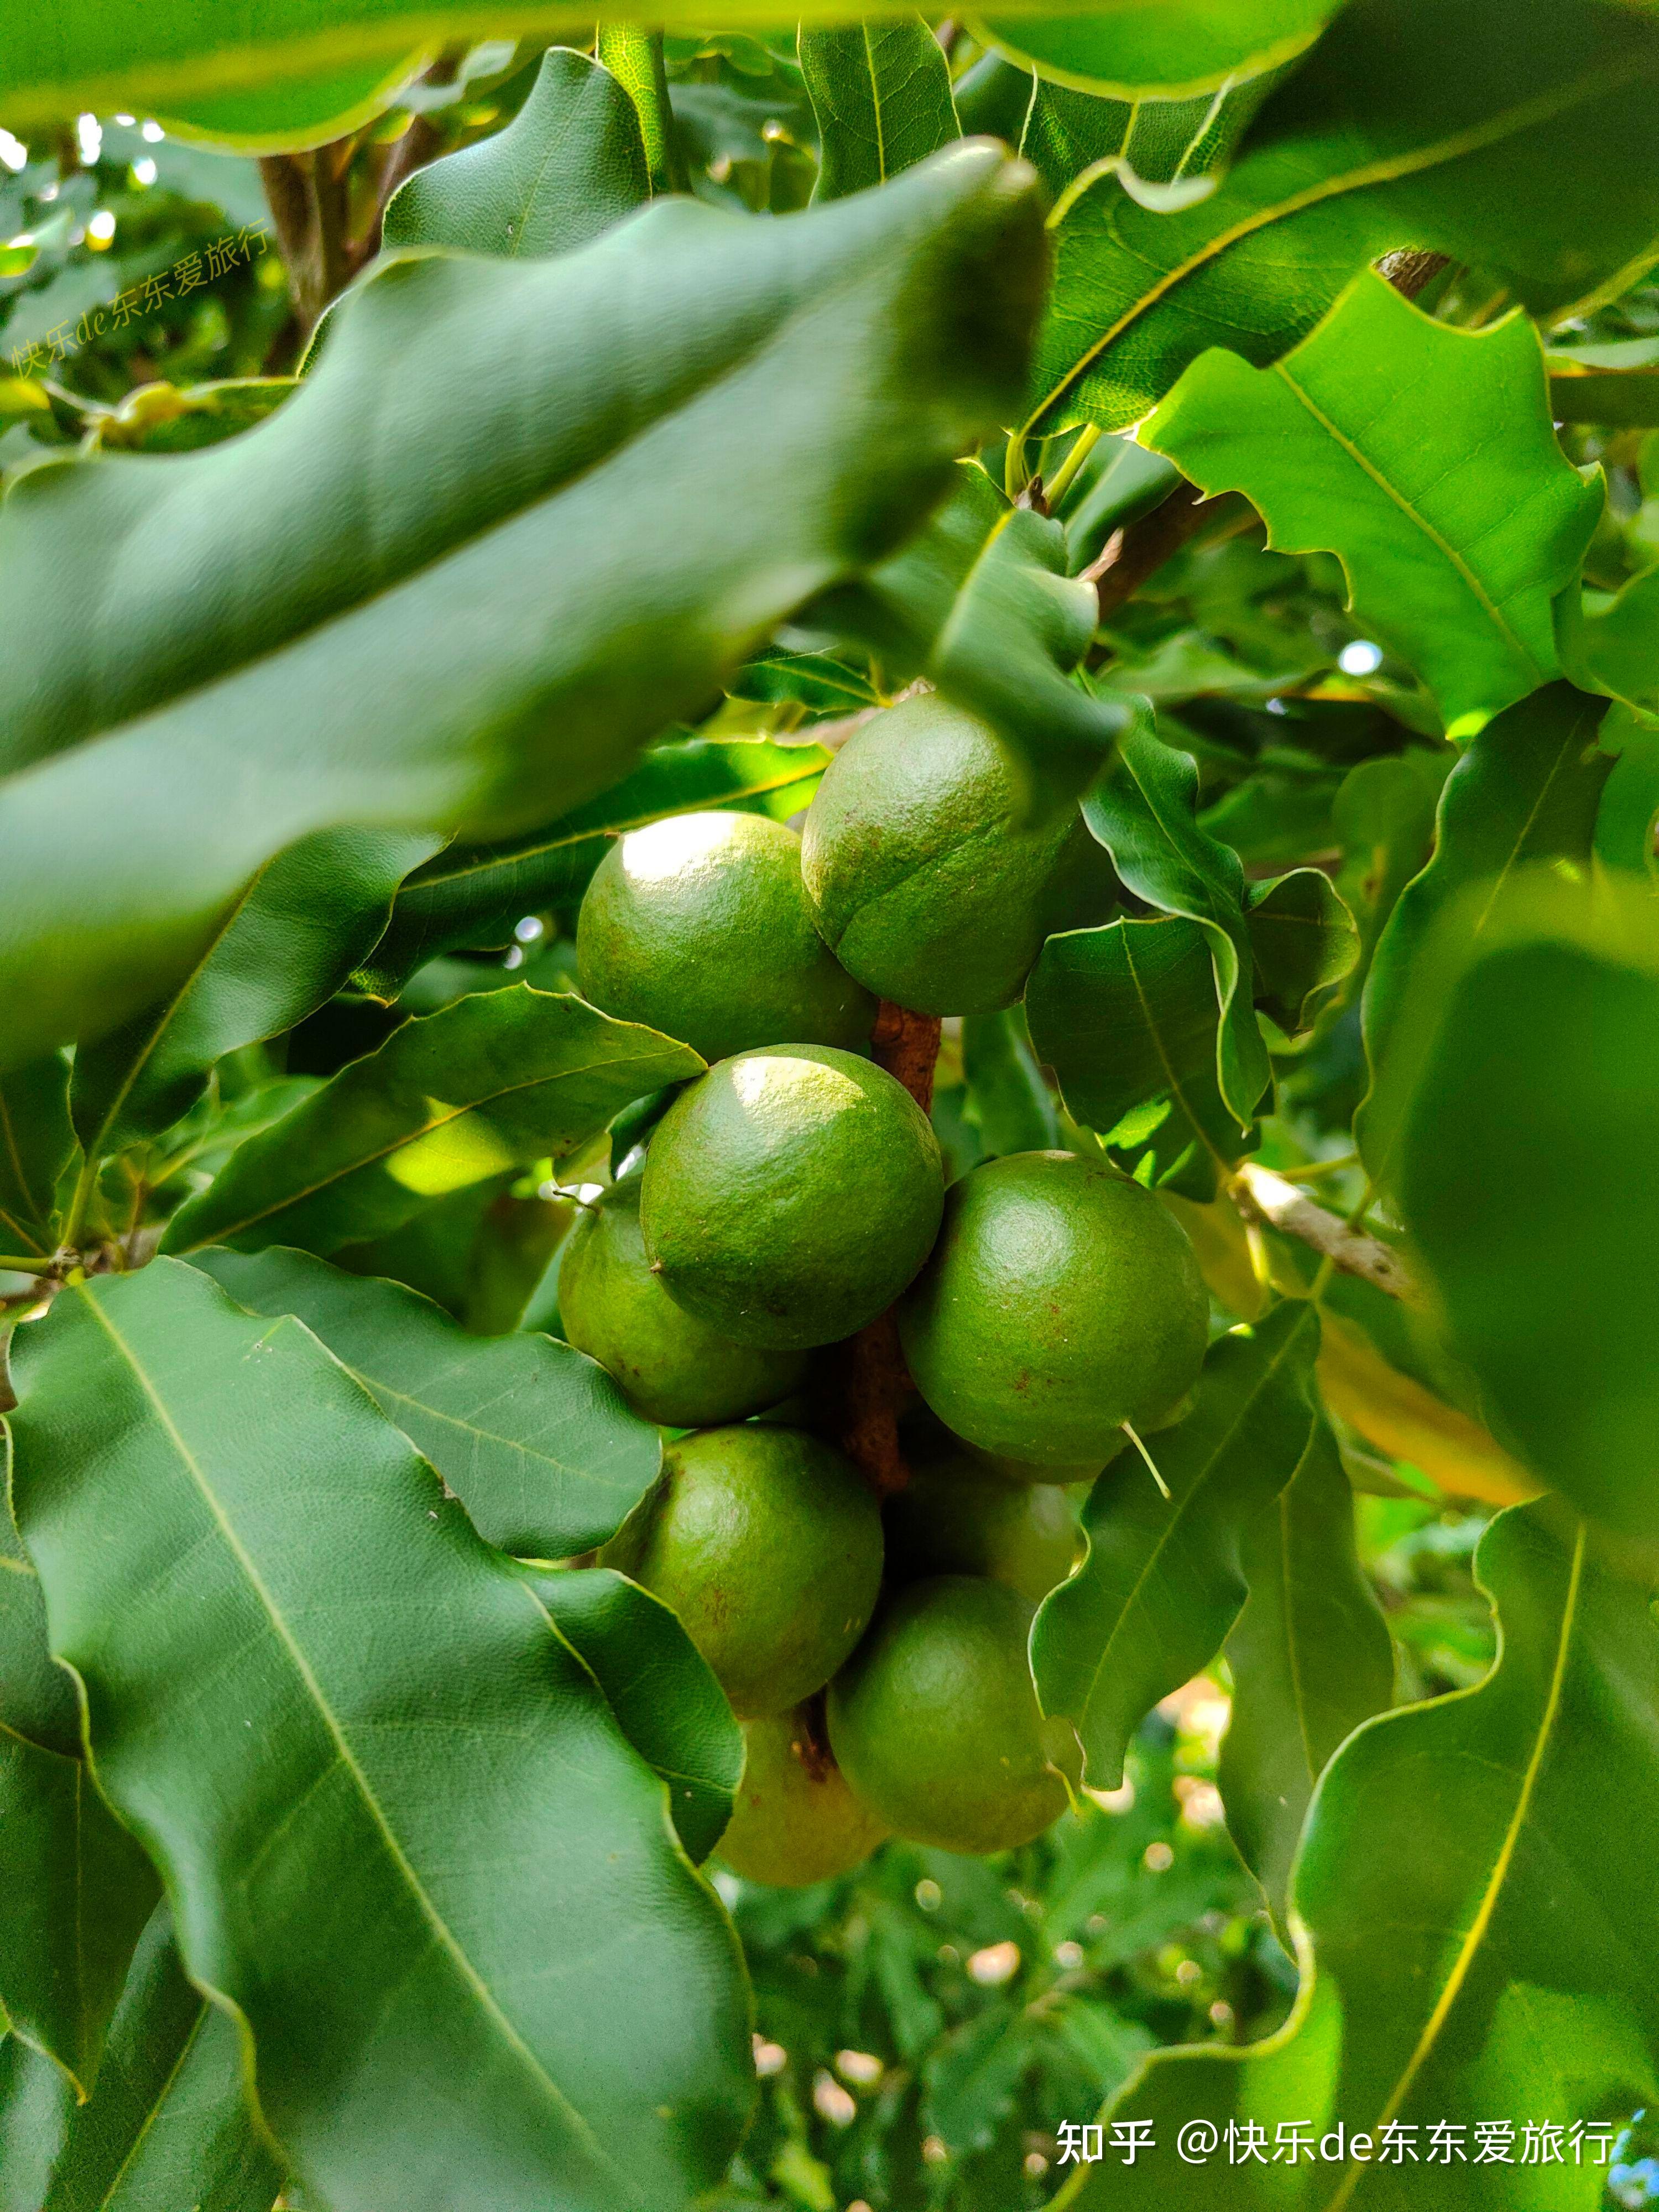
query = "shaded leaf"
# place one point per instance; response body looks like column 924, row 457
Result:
column 495, row 1079
column 1403, row 1417
column 75, row 1891
column 661, row 1690
column 35, row 2104
column 1011, row 1100
column 1304, row 940
column 881, row 92
column 1527, row 146
column 1383, row 812
column 343, row 618
column 1526, row 790
column 1142, row 811
column 533, row 1438
column 1311, row 1658
column 1126, row 1018
column 168, row 2122
column 37, row 1697
column 472, row 895
column 1626, row 399
column 1465, row 1956
column 281, row 951
column 981, row 605
column 569, row 164
column 1525, row 1182
column 37, row 1142
column 1425, row 457
column 1161, row 1583
column 404, row 1836
column 1163, row 49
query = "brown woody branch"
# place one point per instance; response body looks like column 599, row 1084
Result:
column 1264, row 1197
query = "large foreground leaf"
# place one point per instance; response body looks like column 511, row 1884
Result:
column 1163, row 49
column 403, row 1834
column 1520, row 135
column 415, row 600
column 1425, row 457
column 1161, row 1583
column 534, row 1438
column 1311, row 1658
column 1483, row 1941
column 1525, row 1179
column 495, row 1079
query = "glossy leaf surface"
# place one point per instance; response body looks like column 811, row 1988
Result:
column 495, row 1079
column 1466, row 1955
column 1151, row 49
column 881, row 92
column 421, row 1861
column 357, row 591
column 534, row 1438
column 571, row 163
column 1161, row 1583
column 1517, row 148
column 1425, row 460
column 1311, row 1658
column 661, row 1690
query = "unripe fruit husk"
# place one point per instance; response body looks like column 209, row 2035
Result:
column 957, row 1517
column 700, row 926
column 675, row 1368
column 790, row 1195
column 924, row 875
column 935, row 1723
column 1060, row 1302
column 767, row 1543
column 794, row 1818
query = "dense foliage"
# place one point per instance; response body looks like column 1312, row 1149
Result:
column 648, row 685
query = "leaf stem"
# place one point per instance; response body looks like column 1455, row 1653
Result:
column 1085, row 443
column 1150, row 1462
column 11, row 1265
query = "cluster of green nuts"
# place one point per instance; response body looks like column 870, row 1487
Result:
column 794, row 1193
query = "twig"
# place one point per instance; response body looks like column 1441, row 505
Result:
column 1262, row 1196
column 1411, row 269
column 872, row 1378
column 1132, row 555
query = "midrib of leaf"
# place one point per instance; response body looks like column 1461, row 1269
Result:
column 447, row 1940
column 1386, row 170
column 1177, row 1088
column 946, row 637
column 1569, row 745
column 1292, row 1651
column 1176, row 1513
column 1475, row 1934
column 1448, row 552
column 156, row 2106
column 875, row 99
column 399, row 1143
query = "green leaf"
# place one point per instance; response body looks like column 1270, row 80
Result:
column 37, row 1698
column 881, row 92
column 387, row 658
column 661, row 1688
column 1142, row 811
column 1163, row 49
column 569, row 164
column 281, row 951
column 1532, row 1062
column 473, row 894
column 534, row 1438
column 1161, row 1583
column 1424, row 458
column 495, row 1079
column 982, row 605
column 404, row 1836
column 75, row 1891
column 1617, row 646
column 1526, row 790
column 1522, row 135
column 1009, row 1099
column 634, row 57
column 1621, row 399
column 1628, row 820
column 1304, row 940
column 1479, row 1937
column 37, row 1142
column 1126, row 1018
column 1383, row 812
column 1311, row 1658
column 168, row 2122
